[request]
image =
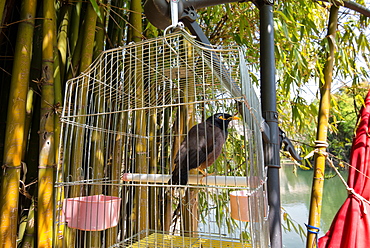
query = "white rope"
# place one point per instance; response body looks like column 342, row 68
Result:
column 321, row 144
column 349, row 190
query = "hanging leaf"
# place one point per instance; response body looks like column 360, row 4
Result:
column 97, row 10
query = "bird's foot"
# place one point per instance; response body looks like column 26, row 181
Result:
column 203, row 172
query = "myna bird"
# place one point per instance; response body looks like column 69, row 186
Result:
column 201, row 147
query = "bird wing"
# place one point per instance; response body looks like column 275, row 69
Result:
column 191, row 154
column 215, row 141
column 193, row 150
column 201, row 147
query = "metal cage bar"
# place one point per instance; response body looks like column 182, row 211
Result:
column 131, row 110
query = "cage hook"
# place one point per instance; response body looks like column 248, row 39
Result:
column 174, row 12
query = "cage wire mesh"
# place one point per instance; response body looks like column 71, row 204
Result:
column 122, row 124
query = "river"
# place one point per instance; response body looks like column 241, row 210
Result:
column 295, row 199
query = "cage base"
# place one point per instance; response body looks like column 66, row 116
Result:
column 163, row 239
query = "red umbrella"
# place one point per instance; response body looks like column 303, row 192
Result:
column 351, row 225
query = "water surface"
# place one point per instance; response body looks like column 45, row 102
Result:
column 295, row 199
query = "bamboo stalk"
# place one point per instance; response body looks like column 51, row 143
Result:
column 119, row 158
column 115, row 26
column 35, row 77
column 86, row 59
column 153, row 169
column 121, row 125
column 88, row 38
column 140, row 210
column 26, row 204
column 28, row 121
column 33, row 139
column 154, row 193
column 87, row 41
column 74, row 51
column 62, row 43
column 125, row 127
column 142, row 193
column 28, row 239
column 75, row 26
column 47, row 149
column 15, row 126
column 2, row 6
column 166, row 163
column 100, row 34
column 59, row 65
column 99, row 152
column 136, row 27
column 319, row 168
column 65, row 236
column 191, row 212
column 21, row 228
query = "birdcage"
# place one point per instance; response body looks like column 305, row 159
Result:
column 123, row 123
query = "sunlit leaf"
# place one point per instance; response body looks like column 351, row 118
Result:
column 97, row 9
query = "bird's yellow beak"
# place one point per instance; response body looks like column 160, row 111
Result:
column 230, row 118
column 234, row 118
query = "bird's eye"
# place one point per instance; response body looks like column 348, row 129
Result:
column 222, row 118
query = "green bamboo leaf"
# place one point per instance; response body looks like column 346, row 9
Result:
column 285, row 18
column 288, row 221
column 295, row 228
column 97, row 10
column 337, row 3
column 302, row 231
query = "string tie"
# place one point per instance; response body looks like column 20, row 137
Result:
column 314, row 230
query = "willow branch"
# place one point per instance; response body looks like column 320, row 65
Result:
column 353, row 6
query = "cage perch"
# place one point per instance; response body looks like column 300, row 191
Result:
column 193, row 179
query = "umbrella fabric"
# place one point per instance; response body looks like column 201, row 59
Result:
column 351, row 226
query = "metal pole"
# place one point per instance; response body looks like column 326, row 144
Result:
column 268, row 100
column 158, row 14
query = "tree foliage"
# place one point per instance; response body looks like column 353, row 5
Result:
column 301, row 47
column 344, row 120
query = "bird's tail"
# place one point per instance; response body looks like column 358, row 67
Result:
column 179, row 176
column 177, row 213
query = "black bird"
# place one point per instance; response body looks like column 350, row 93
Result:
column 201, row 147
